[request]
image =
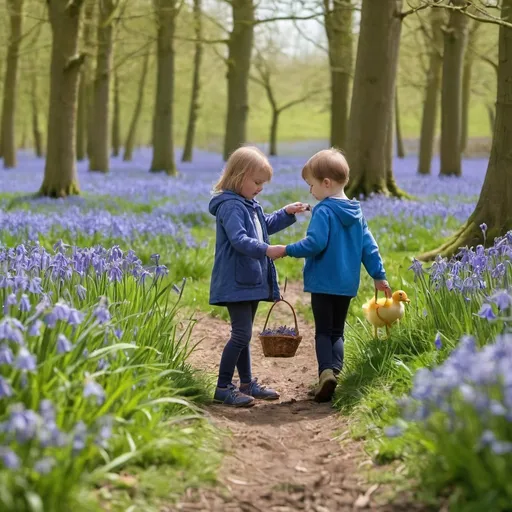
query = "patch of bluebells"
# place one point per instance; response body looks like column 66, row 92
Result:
column 75, row 221
column 33, row 440
column 476, row 282
column 183, row 200
column 463, row 410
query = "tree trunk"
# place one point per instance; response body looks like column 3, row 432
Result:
column 492, row 116
column 338, row 27
column 116, row 118
column 373, row 96
column 84, row 91
column 60, row 176
column 8, row 128
column 100, row 136
column 493, row 207
column 196, row 84
column 132, row 131
column 239, row 63
column 455, row 37
column 400, row 151
column 163, row 142
column 429, row 115
column 466, row 83
column 273, row 131
column 36, row 129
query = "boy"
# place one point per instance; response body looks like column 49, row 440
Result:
column 337, row 242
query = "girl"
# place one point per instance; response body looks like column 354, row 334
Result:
column 243, row 272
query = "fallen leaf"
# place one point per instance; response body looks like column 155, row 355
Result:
column 362, row 501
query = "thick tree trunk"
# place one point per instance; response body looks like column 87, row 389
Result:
column 239, row 63
column 455, row 38
column 466, row 83
column 273, row 132
column 85, row 89
column 163, row 141
column 493, row 207
column 60, row 176
column 100, row 136
column 373, row 96
column 338, row 27
column 8, row 127
column 400, row 150
column 132, row 131
column 36, row 129
column 196, row 84
column 430, row 103
column 116, row 118
column 492, row 116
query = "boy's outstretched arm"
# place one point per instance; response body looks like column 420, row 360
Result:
column 371, row 258
column 316, row 237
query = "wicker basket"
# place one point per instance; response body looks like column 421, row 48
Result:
column 280, row 345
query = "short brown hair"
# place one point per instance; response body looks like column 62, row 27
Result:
column 328, row 163
column 243, row 160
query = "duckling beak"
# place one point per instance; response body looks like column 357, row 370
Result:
column 407, row 300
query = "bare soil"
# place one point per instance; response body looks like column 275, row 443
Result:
column 293, row 454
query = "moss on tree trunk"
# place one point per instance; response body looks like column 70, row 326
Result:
column 60, row 176
column 494, row 205
column 239, row 63
column 373, row 97
column 116, row 118
column 163, row 141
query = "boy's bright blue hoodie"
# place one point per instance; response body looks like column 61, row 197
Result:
column 337, row 242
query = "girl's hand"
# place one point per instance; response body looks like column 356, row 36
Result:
column 292, row 209
column 276, row 251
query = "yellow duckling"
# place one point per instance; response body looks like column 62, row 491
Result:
column 385, row 312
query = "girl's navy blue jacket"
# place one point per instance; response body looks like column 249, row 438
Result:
column 242, row 271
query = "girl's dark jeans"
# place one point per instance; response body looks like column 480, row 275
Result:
column 330, row 312
column 237, row 353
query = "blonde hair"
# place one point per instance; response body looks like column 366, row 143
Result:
column 328, row 163
column 243, row 160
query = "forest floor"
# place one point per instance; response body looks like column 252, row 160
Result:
column 293, row 454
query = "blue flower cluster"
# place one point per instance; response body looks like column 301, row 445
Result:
column 282, row 330
column 37, row 431
column 473, row 389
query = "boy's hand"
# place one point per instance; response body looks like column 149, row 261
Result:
column 292, row 209
column 383, row 286
column 276, row 251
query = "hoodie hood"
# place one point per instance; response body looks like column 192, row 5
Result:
column 218, row 199
column 348, row 211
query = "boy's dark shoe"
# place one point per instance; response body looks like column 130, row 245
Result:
column 231, row 395
column 259, row 391
column 326, row 386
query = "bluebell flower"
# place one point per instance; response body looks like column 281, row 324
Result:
column 81, row 291
column 502, row 299
column 11, row 329
column 22, row 423
column 35, row 286
column 61, row 311
column 6, row 355
column 438, row 342
column 80, row 436
column 10, row 300
column 25, row 305
column 76, row 317
column 9, row 458
column 25, row 360
column 92, row 388
column 393, row 431
column 35, row 328
column 5, row 388
column 486, row 312
column 63, row 344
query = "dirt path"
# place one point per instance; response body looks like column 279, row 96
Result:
column 283, row 456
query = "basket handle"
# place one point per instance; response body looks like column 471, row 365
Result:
column 293, row 311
